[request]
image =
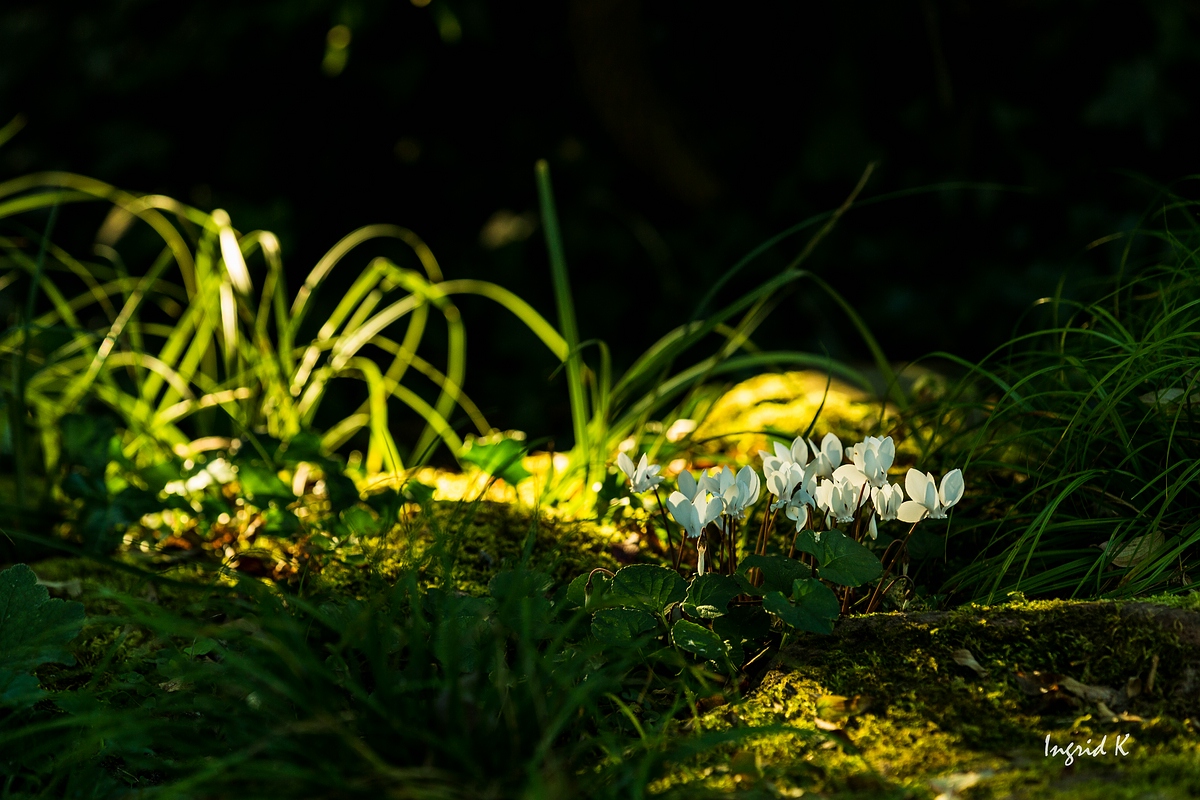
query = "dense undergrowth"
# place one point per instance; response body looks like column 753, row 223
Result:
column 253, row 611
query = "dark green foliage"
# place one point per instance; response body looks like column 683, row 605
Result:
column 648, row 587
column 501, row 459
column 34, row 630
column 844, row 561
column 813, row 607
column 420, row 692
column 708, row 596
column 1081, row 436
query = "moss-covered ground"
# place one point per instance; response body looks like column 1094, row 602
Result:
column 883, row 709
column 964, row 703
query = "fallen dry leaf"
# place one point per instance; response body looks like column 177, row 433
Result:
column 1046, row 686
column 948, row 786
column 834, row 730
column 1135, row 551
column 1092, row 694
column 1035, row 683
column 834, row 706
column 964, row 658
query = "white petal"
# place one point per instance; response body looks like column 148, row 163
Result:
column 952, row 487
column 687, row 484
column 914, row 484
column 887, row 453
column 725, row 478
column 800, row 516
column 850, row 474
column 781, row 452
column 799, row 451
column 930, row 500
column 831, row 446
column 911, row 511
column 626, row 465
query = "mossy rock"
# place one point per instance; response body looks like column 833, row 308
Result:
column 462, row 545
column 788, row 403
column 901, row 717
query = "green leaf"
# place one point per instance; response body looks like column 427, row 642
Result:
column 34, row 630
column 417, row 492
column 19, row 689
column 86, row 441
column 647, row 587
column 699, row 640
column 743, row 624
column 502, row 459
column 815, row 608
column 778, row 572
column 157, row 476
column 280, row 522
column 577, row 595
column 341, row 490
column 806, row 542
column 709, row 595
column 304, row 446
column 361, row 522
column 262, row 485
column 621, row 626
column 845, row 561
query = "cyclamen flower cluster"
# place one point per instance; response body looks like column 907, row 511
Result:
column 810, row 484
column 699, row 502
column 840, row 491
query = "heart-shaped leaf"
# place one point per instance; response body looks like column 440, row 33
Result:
column 647, row 587
column 34, row 629
column 579, row 597
column 699, row 640
column 621, row 626
column 709, row 595
column 778, row 572
column 815, row 608
column 845, row 561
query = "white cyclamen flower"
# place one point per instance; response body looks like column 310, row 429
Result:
column 790, row 485
column 695, row 514
column 796, row 454
column 688, row 486
column 741, row 492
column 828, row 456
column 874, row 458
column 842, row 495
column 927, row 499
column 798, row 513
column 642, row 479
column 887, row 500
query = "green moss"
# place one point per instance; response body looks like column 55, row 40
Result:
column 462, row 545
column 930, row 719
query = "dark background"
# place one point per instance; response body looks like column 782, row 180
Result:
column 680, row 135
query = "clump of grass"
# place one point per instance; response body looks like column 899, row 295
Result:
column 1088, row 430
column 404, row 692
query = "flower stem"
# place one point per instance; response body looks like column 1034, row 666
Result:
column 877, row 595
column 679, row 554
column 663, row 510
